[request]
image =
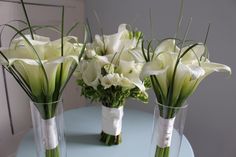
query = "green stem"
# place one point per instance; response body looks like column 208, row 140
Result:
column 162, row 152
column 53, row 152
column 110, row 139
column 27, row 18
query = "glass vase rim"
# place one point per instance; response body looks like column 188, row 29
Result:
column 57, row 101
column 185, row 105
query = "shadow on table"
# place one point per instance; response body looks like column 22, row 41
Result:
column 84, row 139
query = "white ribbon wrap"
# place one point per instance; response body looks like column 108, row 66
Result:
column 165, row 130
column 49, row 130
column 112, row 120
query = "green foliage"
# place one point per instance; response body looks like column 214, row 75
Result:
column 137, row 94
column 114, row 96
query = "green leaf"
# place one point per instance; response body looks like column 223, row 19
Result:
column 72, row 28
column 35, row 28
column 27, row 19
column 89, row 29
column 28, row 42
column 59, row 84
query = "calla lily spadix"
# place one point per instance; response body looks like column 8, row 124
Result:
column 179, row 71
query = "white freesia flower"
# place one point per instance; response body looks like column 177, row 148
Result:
column 110, row 80
column 192, row 68
column 23, row 58
column 125, row 82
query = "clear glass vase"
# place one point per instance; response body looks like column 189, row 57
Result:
column 168, row 126
column 48, row 126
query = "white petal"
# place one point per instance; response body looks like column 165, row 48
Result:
column 91, row 73
column 186, row 76
column 102, row 60
column 122, row 27
column 125, row 82
column 52, row 66
column 51, row 70
column 195, row 71
column 131, row 70
column 137, row 55
column 31, row 72
column 126, row 67
column 153, row 68
column 115, row 43
column 193, row 54
column 110, row 80
column 210, row 67
column 167, row 45
column 38, row 40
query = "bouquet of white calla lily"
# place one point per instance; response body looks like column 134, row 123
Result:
column 109, row 73
column 42, row 71
column 43, row 68
column 175, row 73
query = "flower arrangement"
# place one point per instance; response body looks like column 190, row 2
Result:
column 175, row 72
column 109, row 73
column 175, row 67
column 42, row 68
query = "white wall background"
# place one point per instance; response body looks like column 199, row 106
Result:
column 210, row 125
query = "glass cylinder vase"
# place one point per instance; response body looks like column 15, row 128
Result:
column 111, row 125
column 168, row 126
column 48, row 126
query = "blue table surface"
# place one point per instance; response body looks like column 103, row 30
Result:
column 82, row 131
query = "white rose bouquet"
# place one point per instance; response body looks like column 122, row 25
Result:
column 175, row 73
column 42, row 68
column 109, row 73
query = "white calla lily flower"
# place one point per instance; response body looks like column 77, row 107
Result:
column 191, row 69
column 120, row 41
column 23, row 58
column 91, row 73
column 131, row 71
